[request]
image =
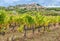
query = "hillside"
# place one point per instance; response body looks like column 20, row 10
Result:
column 33, row 6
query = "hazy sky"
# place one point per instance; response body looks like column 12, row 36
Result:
column 50, row 3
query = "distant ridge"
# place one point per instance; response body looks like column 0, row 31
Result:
column 26, row 6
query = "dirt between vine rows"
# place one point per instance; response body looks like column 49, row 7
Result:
column 52, row 35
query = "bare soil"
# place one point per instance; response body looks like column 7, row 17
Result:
column 52, row 35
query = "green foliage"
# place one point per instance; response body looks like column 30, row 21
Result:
column 28, row 18
column 56, row 9
column 2, row 16
column 20, row 29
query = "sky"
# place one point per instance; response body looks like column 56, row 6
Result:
column 46, row 3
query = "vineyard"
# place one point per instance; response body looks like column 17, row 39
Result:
column 22, row 23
